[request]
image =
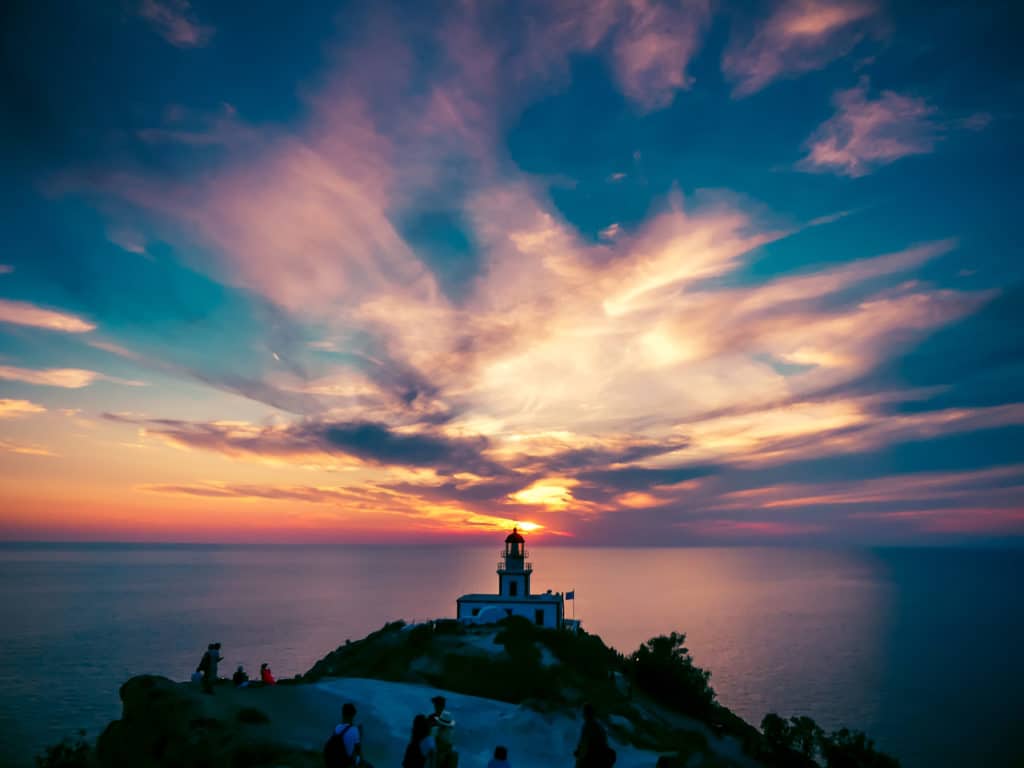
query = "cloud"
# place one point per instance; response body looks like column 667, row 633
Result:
column 24, row 448
column 67, row 378
column 648, row 370
column 6, row 269
column 799, row 36
column 175, row 22
column 11, row 409
column 867, row 133
column 654, row 45
column 362, row 441
column 24, row 313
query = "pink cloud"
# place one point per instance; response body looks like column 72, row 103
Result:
column 799, row 36
column 24, row 313
column 175, row 22
column 866, row 133
column 653, row 47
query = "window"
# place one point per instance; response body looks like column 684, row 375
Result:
column 513, row 588
column 476, row 611
column 538, row 616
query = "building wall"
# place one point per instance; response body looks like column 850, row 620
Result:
column 521, row 580
column 497, row 609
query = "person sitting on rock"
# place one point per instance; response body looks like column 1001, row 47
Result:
column 500, row 759
column 266, row 676
column 240, row 679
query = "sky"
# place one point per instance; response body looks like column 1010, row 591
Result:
column 616, row 271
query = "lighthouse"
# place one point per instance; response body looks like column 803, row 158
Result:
column 514, row 597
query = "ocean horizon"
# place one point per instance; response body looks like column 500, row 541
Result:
column 901, row 643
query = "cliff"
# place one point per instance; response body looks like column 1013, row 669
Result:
column 510, row 684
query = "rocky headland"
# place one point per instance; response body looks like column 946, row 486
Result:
column 512, row 684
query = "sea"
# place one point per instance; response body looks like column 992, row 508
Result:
column 920, row 648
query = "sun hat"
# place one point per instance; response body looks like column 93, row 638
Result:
column 445, row 719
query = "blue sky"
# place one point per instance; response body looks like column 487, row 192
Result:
column 629, row 271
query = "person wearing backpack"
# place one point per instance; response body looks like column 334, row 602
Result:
column 593, row 750
column 344, row 747
column 421, row 751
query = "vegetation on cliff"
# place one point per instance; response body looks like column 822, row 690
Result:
column 655, row 699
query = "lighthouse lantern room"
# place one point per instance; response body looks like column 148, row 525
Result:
column 514, row 597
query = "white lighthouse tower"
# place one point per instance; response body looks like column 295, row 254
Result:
column 514, row 597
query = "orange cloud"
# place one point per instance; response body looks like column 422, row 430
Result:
column 24, row 313
column 10, row 409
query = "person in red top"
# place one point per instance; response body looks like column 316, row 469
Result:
column 266, row 675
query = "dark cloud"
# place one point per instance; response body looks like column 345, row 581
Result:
column 367, row 441
column 642, row 479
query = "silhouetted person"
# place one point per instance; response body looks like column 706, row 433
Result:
column 421, row 751
column 266, row 676
column 240, row 679
column 208, row 666
column 345, row 746
column 500, row 759
column 593, row 750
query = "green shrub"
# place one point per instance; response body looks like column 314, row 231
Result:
column 663, row 669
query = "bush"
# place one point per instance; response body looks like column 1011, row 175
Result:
column 853, row 749
column 799, row 740
column 70, row 752
column 663, row 669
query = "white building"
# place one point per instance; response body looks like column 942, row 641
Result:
column 514, row 597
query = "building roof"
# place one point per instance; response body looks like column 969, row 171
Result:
column 514, row 537
column 545, row 598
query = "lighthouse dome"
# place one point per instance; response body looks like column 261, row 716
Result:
column 514, row 537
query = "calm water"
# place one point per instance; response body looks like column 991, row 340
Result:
column 921, row 648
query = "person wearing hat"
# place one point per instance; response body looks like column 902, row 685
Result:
column 443, row 731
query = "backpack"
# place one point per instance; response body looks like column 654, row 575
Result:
column 413, row 756
column 335, row 754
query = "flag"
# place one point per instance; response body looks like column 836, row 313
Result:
column 570, row 595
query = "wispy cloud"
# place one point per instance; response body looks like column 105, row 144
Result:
column 867, row 133
column 11, row 409
column 175, row 21
column 66, row 378
column 654, row 46
column 25, row 449
column 25, row 313
column 799, row 36
column 6, row 269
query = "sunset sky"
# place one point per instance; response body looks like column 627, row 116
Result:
column 626, row 272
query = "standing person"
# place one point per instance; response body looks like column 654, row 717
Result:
column 439, row 703
column 266, row 676
column 500, row 759
column 593, row 750
column 421, row 751
column 444, row 733
column 208, row 666
column 345, row 746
